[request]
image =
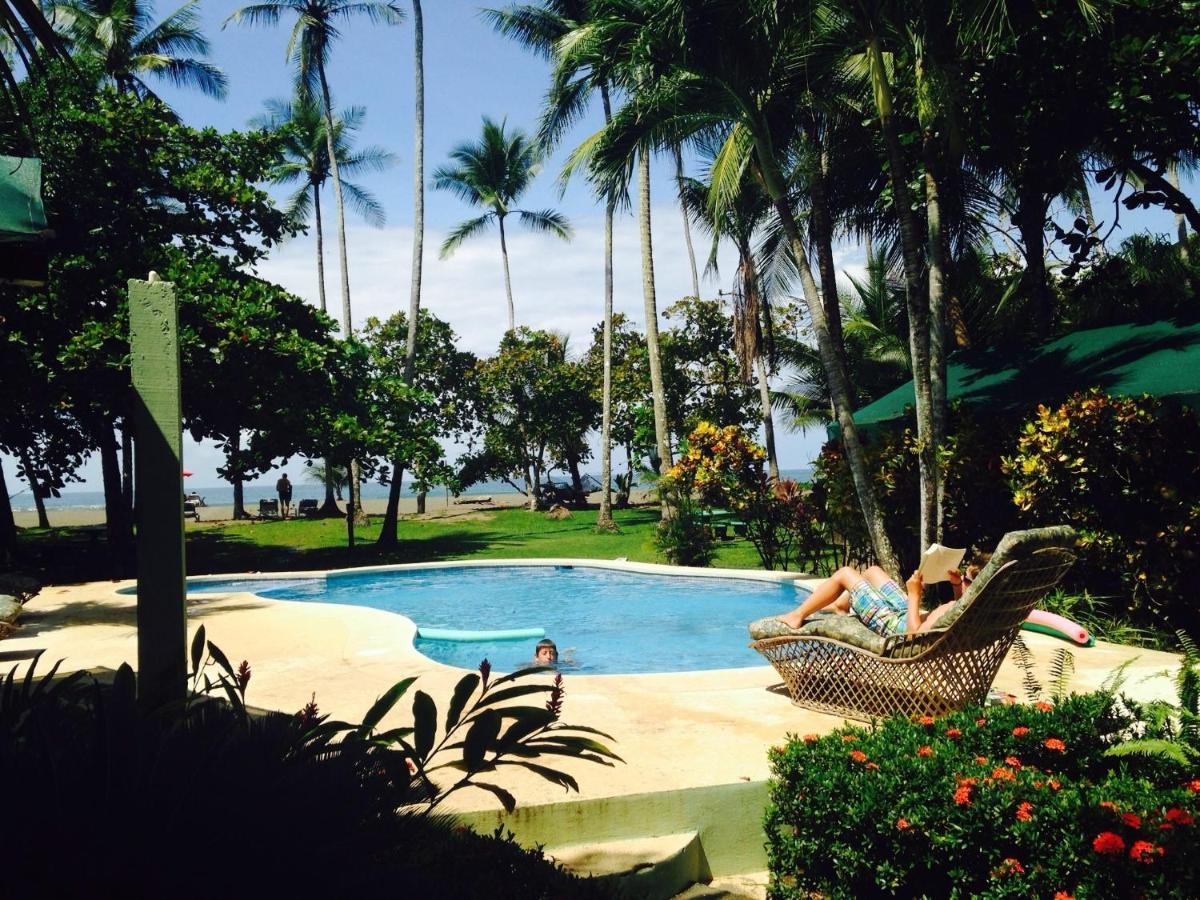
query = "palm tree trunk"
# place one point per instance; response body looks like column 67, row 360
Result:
column 687, row 224
column 8, row 526
column 835, row 372
column 604, row 519
column 34, row 486
column 937, row 321
column 329, row 507
column 1089, row 214
column 768, row 422
column 512, row 315
column 320, row 249
column 337, row 196
column 387, row 533
column 1030, row 219
column 1180, row 219
column 821, row 229
column 916, row 300
column 661, row 437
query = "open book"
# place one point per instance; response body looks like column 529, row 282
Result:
column 938, row 560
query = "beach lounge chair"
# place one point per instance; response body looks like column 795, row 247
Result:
column 308, row 509
column 268, row 509
column 191, row 510
column 835, row 664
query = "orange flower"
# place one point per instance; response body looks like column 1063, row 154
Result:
column 1025, row 811
column 1012, row 761
column 926, row 720
column 1063, row 895
column 1003, row 774
column 981, row 760
column 1193, row 786
column 953, row 733
column 1009, row 866
column 902, row 823
column 1054, row 744
column 1038, row 785
column 1133, row 821
column 1108, row 843
column 925, row 751
column 1042, row 706
column 1108, row 804
column 873, row 766
column 981, row 722
column 858, row 756
column 1020, row 731
column 1144, row 852
column 849, row 738
column 1179, row 817
column 810, row 739
column 1054, row 785
column 962, row 796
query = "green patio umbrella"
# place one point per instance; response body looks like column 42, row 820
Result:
column 23, row 230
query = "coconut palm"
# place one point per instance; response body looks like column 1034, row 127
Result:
column 539, row 27
column 301, row 125
column 493, row 173
column 719, row 69
column 123, row 37
column 309, row 47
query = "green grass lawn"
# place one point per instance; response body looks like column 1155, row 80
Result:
column 64, row 554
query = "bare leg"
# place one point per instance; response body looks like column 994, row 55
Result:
column 842, row 603
column 828, row 592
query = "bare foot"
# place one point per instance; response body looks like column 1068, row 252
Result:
column 792, row 619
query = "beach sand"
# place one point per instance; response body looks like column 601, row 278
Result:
column 436, row 507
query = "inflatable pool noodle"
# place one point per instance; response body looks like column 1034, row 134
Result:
column 1044, row 622
column 504, row 634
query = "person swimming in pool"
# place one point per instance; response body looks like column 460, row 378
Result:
column 545, row 653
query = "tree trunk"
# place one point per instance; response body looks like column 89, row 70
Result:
column 34, row 486
column 687, row 224
column 512, row 314
column 1089, row 214
column 576, row 480
column 1030, row 220
column 127, row 463
column 937, row 323
column 530, row 490
column 236, row 477
column 337, row 196
column 1180, row 219
column 604, row 518
column 8, row 525
column 768, row 421
column 119, row 529
column 661, row 437
column 355, row 491
column 316, row 189
column 421, row 496
column 821, row 228
column 387, row 533
column 917, row 301
column 329, row 508
column 839, row 382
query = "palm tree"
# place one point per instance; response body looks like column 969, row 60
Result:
column 539, row 28
column 301, row 124
column 718, row 69
column 123, row 37
column 309, row 47
column 493, row 174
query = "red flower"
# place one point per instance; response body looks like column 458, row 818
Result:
column 902, row 823
column 1003, row 774
column 925, row 751
column 1108, row 843
column 981, row 760
column 962, row 796
column 1166, row 826
column 1012, row 761
column 243, row 675
column 849, row 738
column 1042, row 706
column 1025, row 811
column 1131, row 820
column 926, row 720
column 1193, row 786
column 858, row 756
column 810, row 739
column 1179, row 817
column 981, row 722
column 1009, row 866
column 1144, row 852
column 1020, row 731
column 1063, row 895
column 953, row 733
column 1108, row 804
column 1054, row 744
column 873, row 766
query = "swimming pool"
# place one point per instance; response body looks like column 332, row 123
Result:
column 607, row 621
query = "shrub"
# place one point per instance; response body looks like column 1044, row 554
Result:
column 685, row 539
column 1014, row 801
column 1125, row 472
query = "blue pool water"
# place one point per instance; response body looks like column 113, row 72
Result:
column 608, row 622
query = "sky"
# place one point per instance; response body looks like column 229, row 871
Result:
column 470, row 72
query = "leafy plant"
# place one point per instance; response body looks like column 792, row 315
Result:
column 684, row 538
column 1172, row 729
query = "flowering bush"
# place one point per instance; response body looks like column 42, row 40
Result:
column 1010, row 801
column 1125, row 472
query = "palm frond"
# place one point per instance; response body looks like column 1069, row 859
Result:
column 465, row 230
column 546, row 220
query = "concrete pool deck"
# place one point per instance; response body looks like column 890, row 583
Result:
column 694, row 743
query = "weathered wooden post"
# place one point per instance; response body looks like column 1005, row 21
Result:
column 161, row 606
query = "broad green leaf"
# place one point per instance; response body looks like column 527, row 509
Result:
column 424, row 724
column 554, row 776
column 384, row 704
column 221, row 658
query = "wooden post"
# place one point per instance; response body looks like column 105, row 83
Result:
column 161, row 607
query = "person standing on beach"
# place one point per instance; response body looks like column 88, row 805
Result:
column 284, row 488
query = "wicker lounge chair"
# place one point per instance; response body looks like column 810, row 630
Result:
column 838, row 665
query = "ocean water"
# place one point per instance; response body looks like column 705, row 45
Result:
column 222, row 494
column 603, row 621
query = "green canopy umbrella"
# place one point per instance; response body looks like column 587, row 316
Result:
column 23, row 230
column 1160, row 358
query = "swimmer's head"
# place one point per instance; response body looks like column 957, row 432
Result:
column 546, row 652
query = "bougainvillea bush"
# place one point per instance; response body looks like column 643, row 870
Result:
column 1004, row 801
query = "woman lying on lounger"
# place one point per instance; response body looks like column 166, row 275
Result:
column 875, row 599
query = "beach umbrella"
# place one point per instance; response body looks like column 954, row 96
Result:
column 186, row 473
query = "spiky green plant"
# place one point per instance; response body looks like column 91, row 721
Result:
column 1172, row 729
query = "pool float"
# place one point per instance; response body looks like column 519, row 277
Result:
column 503, row 634
column 1056, row 626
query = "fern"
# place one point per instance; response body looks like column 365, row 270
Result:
column 1157, row 748
column 1062, row 667
column 1116, row 679
column 1025, row 662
